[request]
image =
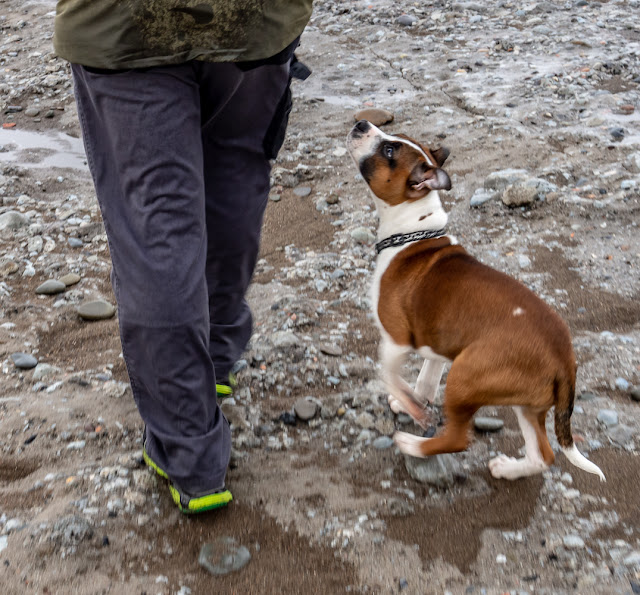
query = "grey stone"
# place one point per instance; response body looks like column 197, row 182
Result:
column 96, row 310
column 608, row 417
column 70, row 279
column 75, row 242
column 224, row 555
column 305, row 409
column 71, row 530
column 13, row 221
column 439, row 470
column 480, row 196
column 32, row 112
column 519, row 195
column 77, row 445
column 499, row 180
column 523, row 261
column 635, row 394
column 621, row 434
column 302, row 191
column 331, row 349
column 587, row 396
column 633, row 163
column 633, row 559
column 406, row 20
column 284, row 340
column 24, row 361
column 51, row 287
column 362, row 235
column 628, row 184
column 43, row 370
column 383, row 442
column 488, row 424
column 622, row 384
column 4, row 542
column 573, row 542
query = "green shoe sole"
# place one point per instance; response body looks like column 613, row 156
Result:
column 202, row 503
column 150, row 463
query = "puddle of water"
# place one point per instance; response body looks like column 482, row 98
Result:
column 42, row 149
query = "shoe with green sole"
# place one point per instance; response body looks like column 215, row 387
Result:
column 225, row 389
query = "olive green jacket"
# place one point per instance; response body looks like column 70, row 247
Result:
column 117, row 34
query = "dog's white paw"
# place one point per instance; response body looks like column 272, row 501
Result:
column 409, row 443
column 503, row 467
column 395, row 405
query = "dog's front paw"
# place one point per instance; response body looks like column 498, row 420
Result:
column 502, row 467
column 395, row 405
column 409, row 443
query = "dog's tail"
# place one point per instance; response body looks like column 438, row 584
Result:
column 564, row 395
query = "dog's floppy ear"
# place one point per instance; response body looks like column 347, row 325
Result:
column 441, row 155
column 435, row 179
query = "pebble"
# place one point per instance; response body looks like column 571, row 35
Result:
column 480, row 196
column 405, row 20
column 331, row 349
column 499, row 180
column 43, row 370
column 519, row 195
column 51, row 287
column 376, row 116
column 14, row 525
column 302, row 191
column 383, row 442
column 635, row 394
column 439, row 470
column 587, row 396
column 12, row 220
column 224, row 555
column 77, row 445
column 622, row 384
column 488, row 424
column 4, row 542
column 96, row 310
column 621, row 434
column 632, row 559
column 24, row 361
column 608, row 417
column 305, row 408
column 573, row 542
column 363, row 235
column 76, row 242
column 616, row 133
column 70, row 279
column 71, row 530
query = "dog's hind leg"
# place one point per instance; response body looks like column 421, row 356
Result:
column 538, row 453
column 402, row 397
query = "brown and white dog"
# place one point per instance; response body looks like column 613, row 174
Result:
column 507, row 347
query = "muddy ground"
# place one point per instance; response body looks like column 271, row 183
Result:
column 325, row 506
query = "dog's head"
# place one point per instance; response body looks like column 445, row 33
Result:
column 396, row 168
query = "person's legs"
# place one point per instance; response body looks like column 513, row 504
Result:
column 238, row 141
column 142, row 132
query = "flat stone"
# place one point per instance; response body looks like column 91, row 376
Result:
column 488, row 424
column 32, row 112
column 362, row 235
column 302, row 191
column 608, row 417
column 43, row 370
column 24, row 361
column 406, row 20
column 13, row 221
column 439, row 470
column 51, row 287
column 284, row 340
column 224, row 555
column 331, row 349
column 70, row 279
column 305, row 409
column 75, row 242
column 96, row 310
column 482, row 195
column 573, row 542
column 383, row 442
column 376, row 116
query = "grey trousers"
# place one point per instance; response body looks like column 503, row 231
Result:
column 180, row 161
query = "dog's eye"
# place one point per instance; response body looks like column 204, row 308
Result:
column 388, row 151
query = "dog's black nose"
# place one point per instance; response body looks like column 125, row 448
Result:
column 362, row 126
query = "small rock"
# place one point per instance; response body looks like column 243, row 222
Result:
column 77, row 445
column 621, row 434
column 439, row 470
column 616, row 133
column 383, row 442
column 480, row 196
column 632, row 559
column 96, row 310
column 71, row 530
column 628, row 184
column 635, row 394
column 488, row 424
column 406, row 20
column 622, row 384
column 365, row 420
column 70, row 279
column 75, row 242
column 608, row 417
column 331, row 349
column 302, row 191
column 305, row 408
column 13, row 525
column 587, row 396
column 4, row 542
column 376, row 116
column 499, row 180
column 573, row 542
column 43, row 370
column 51, row 287
column 13, row 221
column 284, row 340
column 362, row 235
column 32, row 112
column 24, row 361
column 223, row 556
column 519, row 195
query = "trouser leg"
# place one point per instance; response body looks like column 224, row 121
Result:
column 236, row 175
column 142, row 133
